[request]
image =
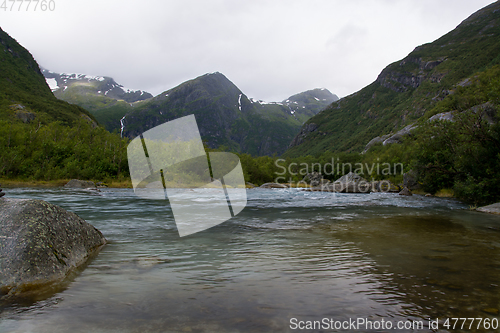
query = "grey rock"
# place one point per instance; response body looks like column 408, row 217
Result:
column 374, row 141
column 492, row 209
column 313, row 178
column 351, row 183
column 410, row 180
column 25, row 117
column 41, row 244
column 83, row 184
column 17, row 107
column 398, row 137
column 448, row 116
column 488, row 110
column 350, row 177
column 405, row 191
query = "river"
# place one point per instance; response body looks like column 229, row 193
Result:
column 289, row 259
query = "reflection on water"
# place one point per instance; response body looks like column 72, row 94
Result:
column 289, row 254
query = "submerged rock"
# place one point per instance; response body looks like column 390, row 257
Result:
column 40, row 244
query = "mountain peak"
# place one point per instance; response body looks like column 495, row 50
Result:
column 97, row 85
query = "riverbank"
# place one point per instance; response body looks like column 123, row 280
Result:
column 57, row 183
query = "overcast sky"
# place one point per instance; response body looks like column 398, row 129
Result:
column 269, row 49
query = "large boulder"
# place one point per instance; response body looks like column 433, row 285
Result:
column 410, row 180
column 314, row 179
column 351, row 183
column 83, row 184
column 492, row 209
column 41, row 244
column 405, row 191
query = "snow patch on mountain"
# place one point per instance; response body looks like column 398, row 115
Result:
column 52, row 84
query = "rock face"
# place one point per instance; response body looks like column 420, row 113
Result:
column 492, row 209
column 40, row 244
column 399, row 136
column 77, row 183
column 299, row 138
column 374, row 141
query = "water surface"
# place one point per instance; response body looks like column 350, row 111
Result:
column 288, row 254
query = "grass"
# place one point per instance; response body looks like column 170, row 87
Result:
column 445, row 193
column 13, row 183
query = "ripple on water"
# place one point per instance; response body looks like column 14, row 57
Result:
column 290, row 253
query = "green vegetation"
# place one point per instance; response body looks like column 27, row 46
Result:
column 464, row 154
column 107, row 110
column 46, row 139
column 52, row 151
column 407, row 89
column 22, row 82
column 43, row 138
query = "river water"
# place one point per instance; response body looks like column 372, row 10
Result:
column 288, row 258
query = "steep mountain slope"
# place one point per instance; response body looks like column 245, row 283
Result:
column 226, row 117
column 45, row 138
column 405, row 90
column 24, row 93
column 107, row 100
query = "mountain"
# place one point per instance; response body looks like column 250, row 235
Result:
column 43, row 137
column 107, row 100
column 226, row 116
column 407, row 90
column 24, row 94
column 306, row 104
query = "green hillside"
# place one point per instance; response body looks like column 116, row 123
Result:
column 405, row 90
column 102, row 96
column 44, row 138
column 23, row 88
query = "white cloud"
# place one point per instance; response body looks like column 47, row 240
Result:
column 270, row 50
